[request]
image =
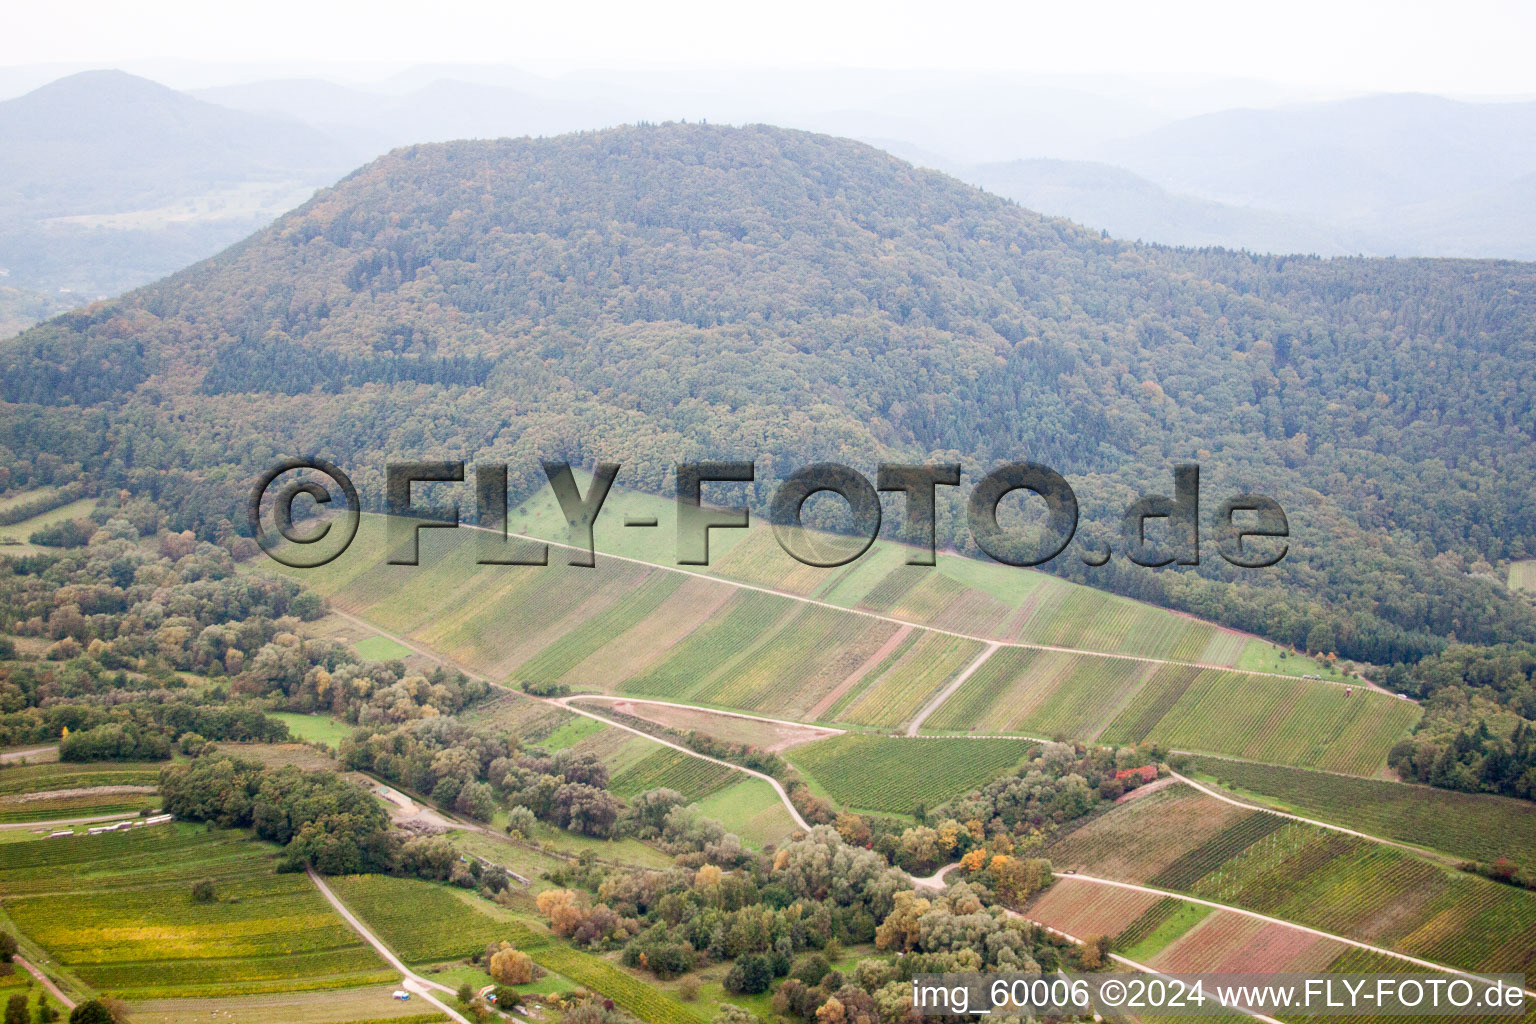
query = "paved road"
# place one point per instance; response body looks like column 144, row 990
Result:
column 412, row 981
column 47, row 982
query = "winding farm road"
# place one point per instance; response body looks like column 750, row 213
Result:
column 1224, row 798
column 565, row 702
column 61, row 822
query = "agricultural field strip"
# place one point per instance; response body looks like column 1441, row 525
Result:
column 415, row 981
column 62, row 822
column 936, row 881
column 1295, row 817
column 565, row 703
column 829, row 730
column 1134, row 887
column 949, row 691
column 892, row 619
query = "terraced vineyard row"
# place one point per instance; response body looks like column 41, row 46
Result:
column 1041, row 693
column 1473, row 825
column 799, row 664
column 117, row 910
column 666, row 768
column 1215, row 851
column 1281, row 721
column 895, row 774
column 1382, row 895
column 1180, row 839
column 897, row 691
column 742, row 622
column 36, row 778
column 571, row 647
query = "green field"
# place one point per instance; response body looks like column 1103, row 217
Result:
column 381, row 648
column 1522, row 575
column 895, row 774
column 1473, row 825
column 315, row 728
column 428, row 923
column 1297, row 722
column 19, row 532
column 665, row 768
column 572, row 733
column 751, row 809
column 116, row 911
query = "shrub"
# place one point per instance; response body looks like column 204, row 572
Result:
column 750, row 975
column 203, row 891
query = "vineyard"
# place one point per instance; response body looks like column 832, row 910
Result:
column 897, row 690
column 1473, row 825
column 793, row 669
column 1180, row 839
column 1226, row 942
column 895, row 774
column 693, row 777
column 1085, row 910
column 556, row 660
column 640, row 998
column 1378, row 894
column 1282, row 721
column 725, row 638
column 1211, row 854
column 36, row 778
column 117, row 910
column 1041, row 693
column 427, row 923
column 1135, row 840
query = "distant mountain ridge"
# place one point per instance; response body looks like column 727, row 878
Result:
column 83, row 152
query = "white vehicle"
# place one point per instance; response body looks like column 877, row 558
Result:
column 400, row 993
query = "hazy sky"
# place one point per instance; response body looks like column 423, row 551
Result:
column 1470, row 46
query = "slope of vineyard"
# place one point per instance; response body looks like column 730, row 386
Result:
column 1298, row 872
column 896, row 774
column 1479, row 826
column 625, row 628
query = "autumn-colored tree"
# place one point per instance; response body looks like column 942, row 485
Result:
column 511, row 967
column 563, row 910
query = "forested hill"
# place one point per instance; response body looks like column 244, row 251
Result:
column 650, row 294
